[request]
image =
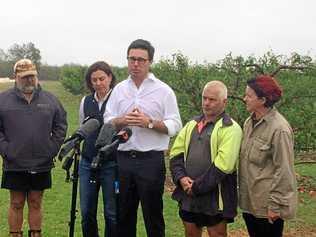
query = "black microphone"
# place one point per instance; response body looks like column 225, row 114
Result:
column 105, row 137
column 82, row 133
column 121, row 137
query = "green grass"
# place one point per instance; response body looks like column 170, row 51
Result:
column 57, row 200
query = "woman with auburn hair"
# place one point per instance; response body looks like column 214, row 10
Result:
column 267, row 183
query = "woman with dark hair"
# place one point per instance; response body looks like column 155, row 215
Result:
column 267, row 184
column 100, row 80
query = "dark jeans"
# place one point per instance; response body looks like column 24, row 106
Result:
column 89, row 193
column 142, row 177
column 260, row 227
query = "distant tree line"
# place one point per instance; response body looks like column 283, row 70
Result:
column 296, row 73
column 66, row 72
column 72, row 77
column 16, row 52
column 27, row 50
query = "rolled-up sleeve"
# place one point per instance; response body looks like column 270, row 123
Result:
column 172, row 119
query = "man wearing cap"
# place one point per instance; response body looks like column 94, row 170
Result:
column 32, row 128
column 267, row 183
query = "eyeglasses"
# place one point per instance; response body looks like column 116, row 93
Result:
column 140, row 60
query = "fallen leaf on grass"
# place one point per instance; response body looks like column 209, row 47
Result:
column 312, row 194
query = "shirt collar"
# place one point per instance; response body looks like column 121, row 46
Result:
column 150, row 77
column 227, row 121
column 267, row 117
column 103, row 99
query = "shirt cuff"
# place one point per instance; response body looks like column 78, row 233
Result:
column 273, row 206
column 171, row 126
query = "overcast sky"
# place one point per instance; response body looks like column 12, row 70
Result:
column 83, row 31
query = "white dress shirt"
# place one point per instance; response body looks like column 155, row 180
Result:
column 155, row 99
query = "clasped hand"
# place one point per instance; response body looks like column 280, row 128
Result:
column 137, row 118
column 186, row 184
column 272, row 216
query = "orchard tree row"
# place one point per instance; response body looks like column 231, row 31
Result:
column 296, row 74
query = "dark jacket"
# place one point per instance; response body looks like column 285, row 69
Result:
column 91, row 109
column 30, row 133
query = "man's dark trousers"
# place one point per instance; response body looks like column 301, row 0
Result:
column 142, row 177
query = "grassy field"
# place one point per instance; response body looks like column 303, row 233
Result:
column 57, row 200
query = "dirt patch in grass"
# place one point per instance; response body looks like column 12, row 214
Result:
column 306, row 232
column 169, row 185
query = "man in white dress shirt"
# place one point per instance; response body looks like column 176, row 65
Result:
column 149, row 107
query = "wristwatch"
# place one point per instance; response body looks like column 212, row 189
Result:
column 150, row 124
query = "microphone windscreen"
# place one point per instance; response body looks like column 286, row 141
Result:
column 123, row 135
column 88, row 128
column 128, row 131
column 105, row 136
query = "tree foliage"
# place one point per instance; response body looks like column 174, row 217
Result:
column 49, row 73
column 6, row 69
column 3, row 55
column 120, row 73
column 28, row 50
column 72, row 78
column 296, row 74
column 15, row 53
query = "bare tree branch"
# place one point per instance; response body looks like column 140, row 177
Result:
column 286, row 67
column 304, row 162
column 236, row 98
column 257, row 66
column 289, row 100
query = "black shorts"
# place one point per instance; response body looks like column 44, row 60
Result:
column 26, row 181
column 202, row 220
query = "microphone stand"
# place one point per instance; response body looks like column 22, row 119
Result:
column 74, row 178
column 107, row 150
column 96, row 166
column 117, row 193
